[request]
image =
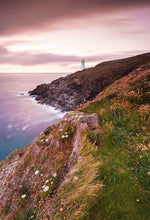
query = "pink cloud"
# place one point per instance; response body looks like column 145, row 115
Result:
column 21, row 15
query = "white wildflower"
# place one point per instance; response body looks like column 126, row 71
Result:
column 55, row 174
column 46, row 188
column 46, row 181
column 47, row 140
column 75, row 178
column 52, row 183
column 67, row 136
column 43, row 186
column 23, row 196
column 60, row 129
column 63, row 136
column 36, row 172
column 61, row 209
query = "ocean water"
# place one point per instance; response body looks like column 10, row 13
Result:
column 21, row 117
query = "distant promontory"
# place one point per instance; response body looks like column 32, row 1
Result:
column 66, row 93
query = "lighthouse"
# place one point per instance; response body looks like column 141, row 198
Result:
column 82, row 64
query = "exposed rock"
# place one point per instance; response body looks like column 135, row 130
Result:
column 25, row 175
column 74, row 90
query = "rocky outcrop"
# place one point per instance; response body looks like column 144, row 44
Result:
column 73, row 90
column 31, row 176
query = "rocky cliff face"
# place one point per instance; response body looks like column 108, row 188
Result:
column 30, row 177
column 73, row 90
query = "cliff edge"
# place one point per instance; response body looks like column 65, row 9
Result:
column 76, row 89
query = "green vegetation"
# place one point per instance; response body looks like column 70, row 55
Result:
column 82, row 186
column 124, row 150
column 112, row 180
column 140, row 91
column 6, row 209
column 23, row 189
column 53, row 184
column 26, row 214
column 23, row 166
column 43, row 141
column 67, row 132
column 45, row 157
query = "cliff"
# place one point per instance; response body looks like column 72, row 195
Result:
column 31, row 177
column 73, row 90
column 94, row 164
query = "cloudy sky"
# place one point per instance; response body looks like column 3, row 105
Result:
column 53, row 35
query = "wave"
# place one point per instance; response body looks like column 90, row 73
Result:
column 22, row 93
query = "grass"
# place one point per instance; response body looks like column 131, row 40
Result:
column 111, row 181
column 81, row 187
column 26, row 214
column 7, row 208
column 124, row 150
column 68, row 129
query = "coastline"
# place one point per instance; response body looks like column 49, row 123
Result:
column 74, row 90
column 21, row 118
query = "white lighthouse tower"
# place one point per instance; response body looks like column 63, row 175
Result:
column 82, row 64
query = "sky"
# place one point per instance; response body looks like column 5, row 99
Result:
column 54, row 35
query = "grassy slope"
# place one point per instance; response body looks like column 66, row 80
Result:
column 110, row 68
column 124, row 113
column 111, row 181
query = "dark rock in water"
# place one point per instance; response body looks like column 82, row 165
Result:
column 73, row 90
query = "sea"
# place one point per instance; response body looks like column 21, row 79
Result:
column 22, row 119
